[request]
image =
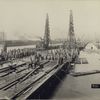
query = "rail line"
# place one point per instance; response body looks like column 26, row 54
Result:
column 32, row 83
column 24, row 77
column 12, row 68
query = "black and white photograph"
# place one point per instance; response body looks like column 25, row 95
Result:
column 49, row 49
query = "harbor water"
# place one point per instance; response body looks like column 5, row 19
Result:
column 79, row 88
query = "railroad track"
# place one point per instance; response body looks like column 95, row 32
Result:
column 27, row 87
column 32, row 83
column 32, row 72
column 12, row 83
column 21, row 78
column 14, row 68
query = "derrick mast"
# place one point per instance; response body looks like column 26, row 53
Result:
column 3, row 41
column 71, row 34
column 46, row 34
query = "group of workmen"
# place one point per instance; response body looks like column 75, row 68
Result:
column 37, row 58
column 16, row 53
column 60, row 55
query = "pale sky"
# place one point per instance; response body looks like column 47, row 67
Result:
column 27, row 18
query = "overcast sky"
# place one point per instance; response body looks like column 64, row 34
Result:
column 26, row 18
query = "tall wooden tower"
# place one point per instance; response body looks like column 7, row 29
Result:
column 71, row 34
column 46, row 34
column 3, row 41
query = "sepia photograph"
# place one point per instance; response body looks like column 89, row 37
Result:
column 50, row 49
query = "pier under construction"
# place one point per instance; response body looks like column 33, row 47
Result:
column 24, row 71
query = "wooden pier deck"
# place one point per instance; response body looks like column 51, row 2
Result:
column 23, row 81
